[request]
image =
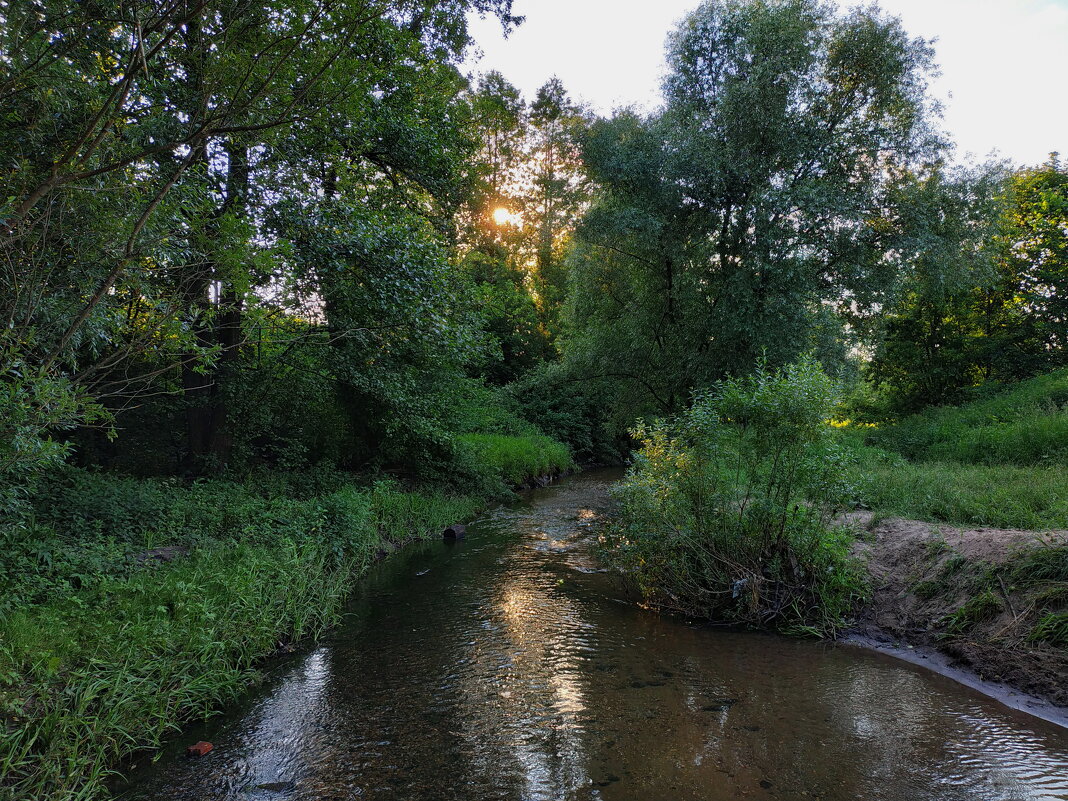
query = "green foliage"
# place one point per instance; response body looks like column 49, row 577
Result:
column 726, row 511
column 996, row 461
column 1034, row 258
column 574, row 408
column 509, row 316
column 1042, row 564
column 396, row 340
column 983, row 298
column 1052, row 628
column 88, row 526
column 941, row 313
column 1002, row 496
column 514, row 459
column 1021, row 424
column 33, row 407
column 977, row 609
column 104, row 654
column 143, row 215
column 729, row 225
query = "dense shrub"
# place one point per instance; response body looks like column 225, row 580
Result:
column 726, row 511
column 574, row 408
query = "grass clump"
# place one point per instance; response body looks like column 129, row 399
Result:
column 516, row 459
column 726, row 512
column 1045, row 563
column 1052, row 629
column 928, row 588
column 102, row 654
column 977, row 609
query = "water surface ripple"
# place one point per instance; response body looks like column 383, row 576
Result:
column 507, row 667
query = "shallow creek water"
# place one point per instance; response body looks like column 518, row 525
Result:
column 505, row 666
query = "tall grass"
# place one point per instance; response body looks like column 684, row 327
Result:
column 997, row 461
column 102, row 652
column 95, row 665
column 515, row 459
column 1025, row 424
column 1001, row 496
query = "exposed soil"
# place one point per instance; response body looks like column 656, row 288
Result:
column 951, row 589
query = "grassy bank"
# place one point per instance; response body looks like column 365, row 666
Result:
column 1001, row 496
column 989, row 588
column 998, row 461
column 105, row 647
column 516, row 459
column 1024, row 424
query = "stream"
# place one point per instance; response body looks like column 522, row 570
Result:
column 507, row 666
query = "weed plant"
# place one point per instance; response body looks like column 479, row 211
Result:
column 1052, row 629
column 726, row 511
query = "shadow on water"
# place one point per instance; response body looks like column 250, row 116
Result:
column 505, row 666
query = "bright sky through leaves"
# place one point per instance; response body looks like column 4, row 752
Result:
column 503, row 216
column 1003, row 61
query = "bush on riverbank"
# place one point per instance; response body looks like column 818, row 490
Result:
column 726, row 512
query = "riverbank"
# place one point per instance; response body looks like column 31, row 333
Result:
column 155, row 601
column 971, row 602
column 508, row 666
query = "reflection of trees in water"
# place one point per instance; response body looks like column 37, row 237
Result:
column 286, row 741
column 907, row 739
column 278, row 741
column 523, row 701
column 395, row 693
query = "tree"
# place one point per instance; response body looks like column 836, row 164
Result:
column 934, row 339
column 147, row 141
column 500, row 119
column 556, row 193
column 1034, row 257
column 529, row 170
column 983, row 295
column 727, row 225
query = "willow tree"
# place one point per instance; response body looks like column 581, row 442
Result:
column 950, row 312
column 742, row 218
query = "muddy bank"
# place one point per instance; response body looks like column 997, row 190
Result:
column 966, row 602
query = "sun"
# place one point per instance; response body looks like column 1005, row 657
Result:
column 503, row 216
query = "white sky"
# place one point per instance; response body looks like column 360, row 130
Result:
column 1004, row 62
